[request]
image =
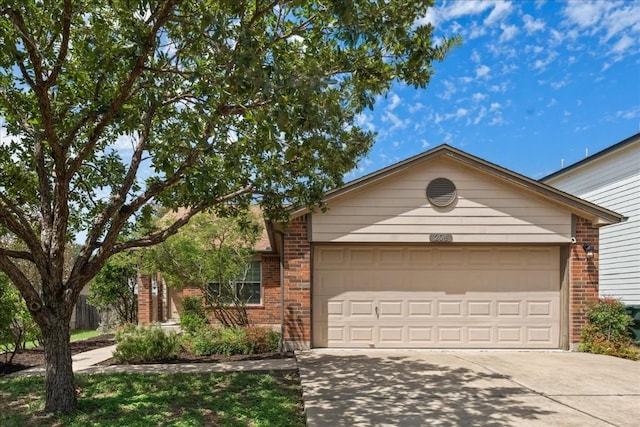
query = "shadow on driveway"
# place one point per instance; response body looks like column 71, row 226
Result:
column 356, row 389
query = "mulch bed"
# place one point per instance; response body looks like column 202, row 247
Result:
column 25, row 359
column 35, row 357
column 186, row 357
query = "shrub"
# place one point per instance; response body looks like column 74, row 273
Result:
column 262, row 339
column 608, row 330
column 232, row 341
column 193, row 317
column 193, row 305
column 191, row 323
column 145, row 345
column 225, row 341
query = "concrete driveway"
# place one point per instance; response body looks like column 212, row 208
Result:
column 468, row 388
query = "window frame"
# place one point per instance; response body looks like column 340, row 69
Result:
column 234, row 284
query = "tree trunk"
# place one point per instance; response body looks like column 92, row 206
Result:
column 61, row 388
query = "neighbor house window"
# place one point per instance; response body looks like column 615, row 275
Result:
column 247, row 288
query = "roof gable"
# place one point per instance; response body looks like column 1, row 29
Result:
column 597, row 214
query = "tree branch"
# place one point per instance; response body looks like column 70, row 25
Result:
column 125, row 90
column 17, row 254
column 64, row 45
column 28, row 292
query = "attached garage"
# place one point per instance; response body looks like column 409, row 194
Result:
column 442, row 250
column 452, row 297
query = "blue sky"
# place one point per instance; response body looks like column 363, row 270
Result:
column 533, row 83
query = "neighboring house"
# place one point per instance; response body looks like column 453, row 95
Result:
column 442, row 250
column 611, row 178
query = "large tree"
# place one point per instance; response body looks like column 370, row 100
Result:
column 111, row 106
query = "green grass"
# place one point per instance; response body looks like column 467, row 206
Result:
column 224, row 399
column 76, row 335
column 83, row 334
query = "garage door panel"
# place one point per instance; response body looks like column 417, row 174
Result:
column 491, row 297
column 391, row 309
column 358, row 309
column 481, row 335
column 420, row 308
column 479, row 308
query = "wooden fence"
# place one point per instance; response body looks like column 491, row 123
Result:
column 86, row 314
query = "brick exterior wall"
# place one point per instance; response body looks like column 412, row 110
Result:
column 297, row 284
column 268, row 313
column 583, row 279
column 583, row 285
column 145, row 302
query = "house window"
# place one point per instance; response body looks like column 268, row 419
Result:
column 247, row 288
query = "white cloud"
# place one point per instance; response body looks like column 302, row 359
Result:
column 482, row 71
column 541, row 64
column 501, row 87
column 500, row 11
column 531, row 25
column 396, row 122
column 463, row 8
column 623, row 44
column 449, row 90
column 631, row 113
column 495, row 106
column 393, row 102
column 460, row 113
column 365, row 121
column 584, row 14
column 612, row 20
column 481, row 115
column 559, row 84
column 497, row 120
column 508, row 32
column 475, row 56
column 552, row 102
column 425, row 143
column 477, row 97
column 416, row 107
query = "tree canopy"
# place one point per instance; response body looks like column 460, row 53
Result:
column 112, row 107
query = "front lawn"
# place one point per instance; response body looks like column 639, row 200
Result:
column 224, row 399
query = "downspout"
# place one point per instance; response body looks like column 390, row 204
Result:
column 282, row 328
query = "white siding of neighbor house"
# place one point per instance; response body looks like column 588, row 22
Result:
column 396, row 210
column 613, row 182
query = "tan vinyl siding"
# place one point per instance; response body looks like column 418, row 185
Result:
column 396, row 210
column 613, row 181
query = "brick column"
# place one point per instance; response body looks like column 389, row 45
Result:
column 583, row 286
column 160, row 317
column 297, row 285
column 145, row 300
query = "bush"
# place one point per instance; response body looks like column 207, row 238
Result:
column 193, row 317
column 233, row 341
column 608, row 330
column 145, row 345
column 225, row 341
column 193, row 305
column 191, row 323
column 262, row 339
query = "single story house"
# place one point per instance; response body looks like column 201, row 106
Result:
column 442, row 250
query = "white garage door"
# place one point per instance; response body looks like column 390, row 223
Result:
column 447, row 297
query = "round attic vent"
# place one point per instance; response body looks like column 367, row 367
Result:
column 441, row 192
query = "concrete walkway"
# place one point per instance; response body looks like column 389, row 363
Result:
column 86, row 362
